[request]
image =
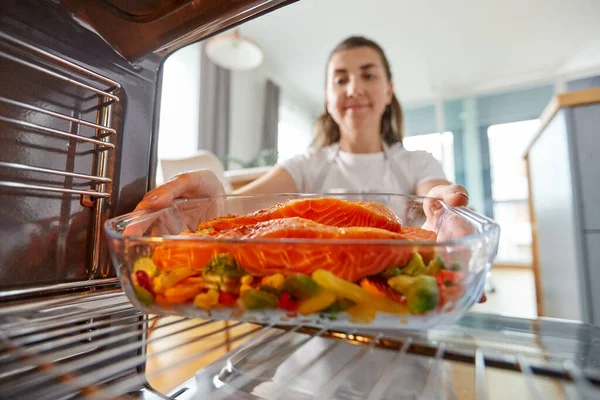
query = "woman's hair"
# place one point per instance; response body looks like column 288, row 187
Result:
column 327, row 131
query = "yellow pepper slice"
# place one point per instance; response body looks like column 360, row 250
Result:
column 318, row 302
column 147, row 265
column 357, row 294
column 172, row 278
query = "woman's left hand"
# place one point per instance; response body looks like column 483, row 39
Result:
column 454, row 196
column 453, row 226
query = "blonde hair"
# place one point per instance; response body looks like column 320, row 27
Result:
column 327, row 131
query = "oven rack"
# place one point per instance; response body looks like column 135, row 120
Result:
column 93, row 95
column 66, row 346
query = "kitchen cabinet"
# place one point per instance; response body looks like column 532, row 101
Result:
column 563, row 163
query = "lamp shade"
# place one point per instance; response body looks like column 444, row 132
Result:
column 234, row 52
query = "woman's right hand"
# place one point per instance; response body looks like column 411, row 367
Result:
column 187, row 185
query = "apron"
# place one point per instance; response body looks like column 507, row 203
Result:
column 391, row 172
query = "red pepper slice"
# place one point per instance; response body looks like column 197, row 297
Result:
column 449, row 278
column 144, row 281
column 287, row 303
column 227, row 299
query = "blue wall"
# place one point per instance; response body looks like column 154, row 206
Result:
column 584, row 83
column 492, row 109
column 469, row 126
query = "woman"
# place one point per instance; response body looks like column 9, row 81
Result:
column 359, row 140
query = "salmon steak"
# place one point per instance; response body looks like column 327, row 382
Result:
column 326, row 211
column 349, row 261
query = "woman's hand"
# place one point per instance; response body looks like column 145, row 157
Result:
column 453, row 195
column 453, row 226
column 187, row 185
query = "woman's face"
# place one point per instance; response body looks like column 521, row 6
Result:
column 358, row 90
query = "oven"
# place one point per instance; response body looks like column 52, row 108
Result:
column 79, row 95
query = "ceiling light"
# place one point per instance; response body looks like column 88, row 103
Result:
column 234, row 52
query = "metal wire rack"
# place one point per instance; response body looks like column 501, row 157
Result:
column 72, row 346
column 92, row 94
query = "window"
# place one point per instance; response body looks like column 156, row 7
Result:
column 440, row 145
column 294, row 129
column 507, row 143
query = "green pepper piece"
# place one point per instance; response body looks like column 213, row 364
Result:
column 415, row 266
column 268, row 289
column 435, row 265
column 423, row 295
column 256, row 299
column 392, row 271
column 143, row 295
column 223, row 272
column 339, row 306
column 300, row 286
column 421, row 292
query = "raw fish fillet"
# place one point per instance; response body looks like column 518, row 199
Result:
column 350, row 261
column 327, row 211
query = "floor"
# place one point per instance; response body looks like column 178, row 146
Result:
column 514, row 295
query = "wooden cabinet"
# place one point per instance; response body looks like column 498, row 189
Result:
column 563, row 163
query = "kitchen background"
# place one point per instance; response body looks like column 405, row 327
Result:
column 473, row 78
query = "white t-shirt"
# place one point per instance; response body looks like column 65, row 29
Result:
column 339, row 170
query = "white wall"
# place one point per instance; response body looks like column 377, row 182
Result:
column 180, row 105
column 247, row 93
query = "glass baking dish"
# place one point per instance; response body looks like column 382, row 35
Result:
column 429, row 273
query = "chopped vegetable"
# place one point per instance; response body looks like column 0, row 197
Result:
column 370, row 287
column 435, row 265
column 185, row 289
column 423, row 296
column 269, row 289
column 401, row 283
column 258, row 299
column 143, row 295
column 227, row 299
column 275, row 280
column 147, row 265
column 244, row 288
column 421, row 292
column 207, row 300
column 300, row 286
column 416, row 266
column 224, row 273
column 143, row 280
column 349, row 290
column 287, row 303
column 381, row 288
column 173, row 277
column 318, row 302
column 247, row 279
column 157, row 285
column 449, row 278
column 451, row 286
column 392, row 271
column 340, row 306
column 450, row 294
column 161, row 299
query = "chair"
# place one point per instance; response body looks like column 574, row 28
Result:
column 203, row 159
